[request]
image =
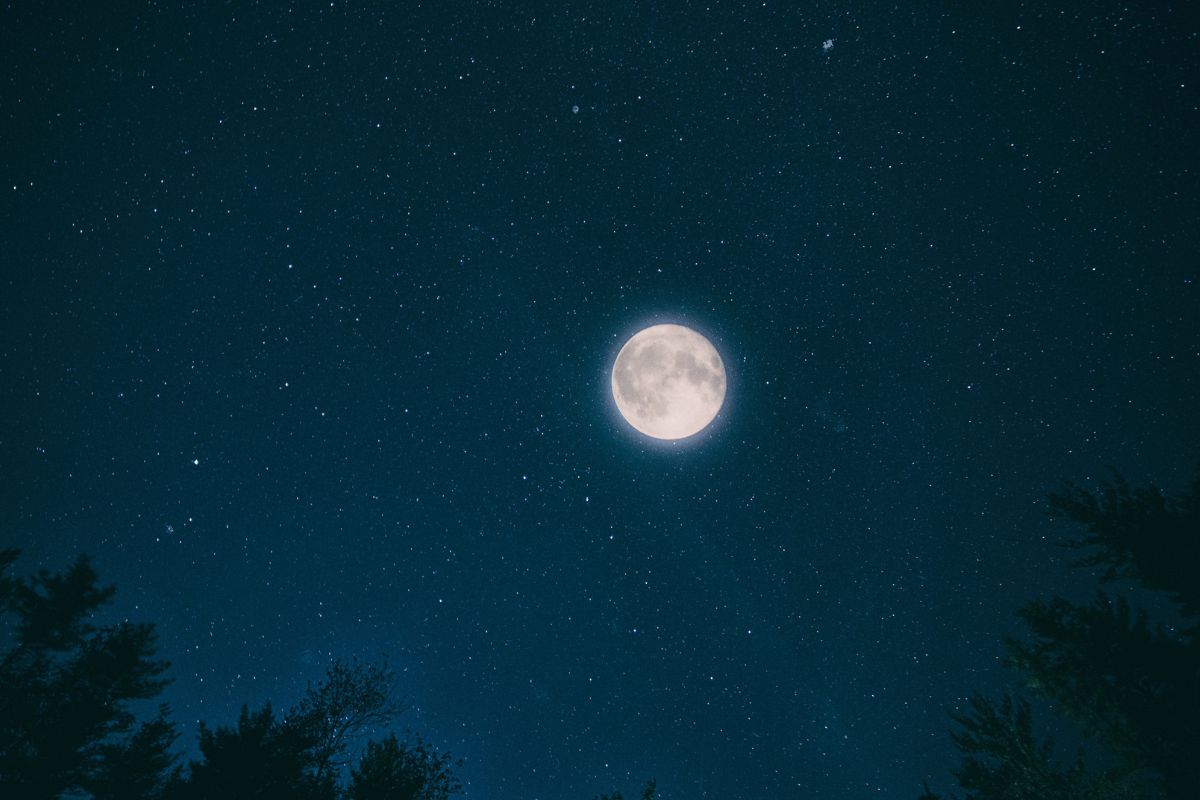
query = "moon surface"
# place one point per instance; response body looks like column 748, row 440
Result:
column 668, row 381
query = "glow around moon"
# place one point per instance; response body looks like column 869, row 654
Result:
column 668, row 382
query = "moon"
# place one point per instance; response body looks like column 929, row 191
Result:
column 668, row 382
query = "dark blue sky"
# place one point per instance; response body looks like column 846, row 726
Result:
column 306, row 316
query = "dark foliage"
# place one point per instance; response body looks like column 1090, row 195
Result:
column 66, row 729
column 1004, row 760
column 1132, row 689
column 304, row 754
column 1141, row 534
column 395, row 770
column 65, row 689
column 141, row 766
column 353, row 699
column 648, row 792
column 262, row 758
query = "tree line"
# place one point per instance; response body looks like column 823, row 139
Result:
column 1123, row 682
column 1126, row 684
column 66, row 729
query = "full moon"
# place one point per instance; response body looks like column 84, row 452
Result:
column 668, row 381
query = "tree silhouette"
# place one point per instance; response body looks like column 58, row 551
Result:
column 65, row 688
column 1132, row 689
column 262, row 758
column 648, row 792
column 141, row 766
column 353, row 699
column 66, row 684
column 304, row 754
column 1140, row 534
column 395, row 770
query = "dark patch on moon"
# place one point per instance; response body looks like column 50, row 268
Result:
column 698, row 374
column 639, row 377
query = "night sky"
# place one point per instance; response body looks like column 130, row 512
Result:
column 307, row 314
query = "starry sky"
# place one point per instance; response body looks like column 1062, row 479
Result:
column 307, row 313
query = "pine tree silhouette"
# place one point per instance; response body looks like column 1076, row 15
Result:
column 1131, row 688
column 648, row 792
column 65, row 689
column 395, row 770
column 262, row 758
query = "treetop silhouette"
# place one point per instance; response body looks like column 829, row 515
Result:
column 1130, row 687
column 65, row 689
